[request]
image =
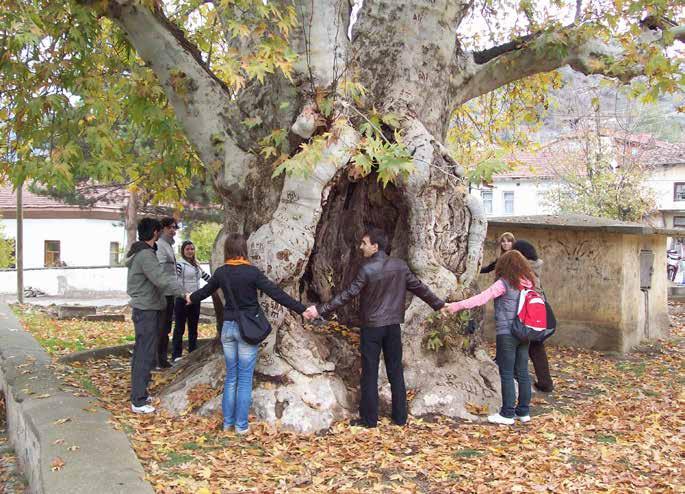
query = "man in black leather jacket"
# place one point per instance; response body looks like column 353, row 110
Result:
column 381, row 285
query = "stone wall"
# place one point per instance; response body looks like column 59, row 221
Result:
column 592, row 280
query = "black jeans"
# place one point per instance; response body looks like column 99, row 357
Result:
column 512, row 358
column 373, row 340
column 538, row 355
column 146, row 326
column 165, row 321
column 183, row 313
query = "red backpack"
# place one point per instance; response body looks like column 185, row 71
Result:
column 534, row 319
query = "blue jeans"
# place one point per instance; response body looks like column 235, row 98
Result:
column 512, row 357
column 240, row 358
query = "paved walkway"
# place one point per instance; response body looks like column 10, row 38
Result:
column 47, row 420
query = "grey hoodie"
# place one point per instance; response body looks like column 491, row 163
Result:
column 147, row 282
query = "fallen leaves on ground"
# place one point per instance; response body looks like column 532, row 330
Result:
column 615, row 423
column 61, row 337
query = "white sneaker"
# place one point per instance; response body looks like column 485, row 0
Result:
column 177, row 360
column 523, row 418
column 498, row 419
column 142, row 409
column 242, row 432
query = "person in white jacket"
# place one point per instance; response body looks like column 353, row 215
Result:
column 189, row 273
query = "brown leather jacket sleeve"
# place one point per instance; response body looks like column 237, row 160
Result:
column 345, row 296
column 415, row 286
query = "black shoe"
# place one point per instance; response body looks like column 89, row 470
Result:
column 399, row 424
column 164, row 365
column 360, row 423
column 541, row 389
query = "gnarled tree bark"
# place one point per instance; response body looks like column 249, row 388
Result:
column 304, row 232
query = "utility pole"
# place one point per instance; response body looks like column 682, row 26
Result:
column 20, row 243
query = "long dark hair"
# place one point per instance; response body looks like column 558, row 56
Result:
column 185, row 244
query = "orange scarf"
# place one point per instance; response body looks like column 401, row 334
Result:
column 237, row 261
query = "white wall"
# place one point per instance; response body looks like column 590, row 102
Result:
column 661, row 181
column 83, row 242
column 528, row 196
column 71, row 281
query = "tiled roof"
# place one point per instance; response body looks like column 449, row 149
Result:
column 558, row 157
column 8, row 200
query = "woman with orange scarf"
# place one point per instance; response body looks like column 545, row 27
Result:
column 244, row 279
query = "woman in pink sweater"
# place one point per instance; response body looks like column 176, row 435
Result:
column 513, row 274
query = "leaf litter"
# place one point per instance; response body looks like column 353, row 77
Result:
column 614, row 424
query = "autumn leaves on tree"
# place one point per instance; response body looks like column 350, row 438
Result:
column 311, row 120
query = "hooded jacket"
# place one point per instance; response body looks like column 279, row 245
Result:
column 147, row 282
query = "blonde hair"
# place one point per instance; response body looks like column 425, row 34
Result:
column 507, row 236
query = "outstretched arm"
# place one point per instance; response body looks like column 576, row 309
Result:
column 489, row 268
column 275, row 292
column 206, row 290
column 493, row 291
column 417, row 287
column 345, row 296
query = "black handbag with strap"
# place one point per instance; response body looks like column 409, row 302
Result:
column 254, row 328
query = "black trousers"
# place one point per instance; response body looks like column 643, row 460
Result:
column 373, row 340
column 165, row 321
column 146, row 326
column 538, row 355
column 183, row 313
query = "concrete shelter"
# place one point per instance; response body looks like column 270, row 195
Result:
column 605, row 279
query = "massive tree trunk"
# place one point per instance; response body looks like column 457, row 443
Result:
column 304, row 232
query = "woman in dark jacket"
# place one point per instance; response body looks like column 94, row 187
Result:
column 536, row 349
column 505, row 242
column 244, row 280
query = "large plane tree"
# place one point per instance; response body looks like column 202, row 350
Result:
column 313, row 119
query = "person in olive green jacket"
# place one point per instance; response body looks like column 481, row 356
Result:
column 146, row 285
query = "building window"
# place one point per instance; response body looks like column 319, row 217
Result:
column 114, row 254
column 508, row 202
column 679, row 222
column 679, row 191
column 486, row 197
column 52, row 253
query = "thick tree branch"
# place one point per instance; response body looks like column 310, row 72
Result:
column 201, row 101
column 490, row 69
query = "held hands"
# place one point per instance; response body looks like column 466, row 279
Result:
column 188, row 301
column 450, row 308
column 311, row 313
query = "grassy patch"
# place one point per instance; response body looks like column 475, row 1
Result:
column 468, row 453
column 175, row 459
column 636, row 368
column 606, row 439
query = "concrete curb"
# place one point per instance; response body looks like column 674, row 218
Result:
column 118, row 351
column 36, row 406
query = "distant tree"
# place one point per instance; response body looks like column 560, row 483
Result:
column 6, row 250
column 203, row 236
column 598, row 178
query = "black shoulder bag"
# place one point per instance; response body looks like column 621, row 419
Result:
column 254, row 328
